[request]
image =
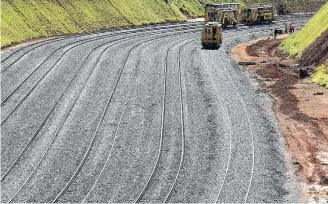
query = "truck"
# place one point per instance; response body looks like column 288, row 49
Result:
column 212, row 35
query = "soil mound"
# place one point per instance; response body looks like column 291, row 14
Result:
column 263, row 48
column 271, row 71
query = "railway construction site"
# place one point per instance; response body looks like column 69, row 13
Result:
column 144, row 115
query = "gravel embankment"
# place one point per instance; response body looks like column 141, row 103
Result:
column 140, row 115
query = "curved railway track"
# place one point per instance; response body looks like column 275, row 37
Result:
column 65, row 118
column 144, row 190
column 146, row 187
column 230, row 136
column 42, row 43
column 177, row 38
column 182, row 128
column 54, row 137
column 53, row 107
column 98, row 126
column 243, row 103
column 58, row 39
column 6, row 98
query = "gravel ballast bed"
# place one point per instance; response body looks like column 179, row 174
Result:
column 225, row 121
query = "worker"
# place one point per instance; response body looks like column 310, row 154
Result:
column 286, row 28
column 275, row 33
column 291, row 28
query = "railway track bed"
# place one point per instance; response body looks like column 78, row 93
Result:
column 138, row 115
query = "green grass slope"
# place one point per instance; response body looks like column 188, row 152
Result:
column 296, row 43
column 320, row 76
column 23, row 20
column 27, row 19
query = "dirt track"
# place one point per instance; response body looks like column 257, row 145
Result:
column 138, row 115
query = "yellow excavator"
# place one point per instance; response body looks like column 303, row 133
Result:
column 212, row 35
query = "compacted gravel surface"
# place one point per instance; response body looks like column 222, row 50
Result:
column 139, row 115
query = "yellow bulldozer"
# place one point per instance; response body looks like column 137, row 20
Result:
column 212, row 35
column 257, row 14
column 226, row 14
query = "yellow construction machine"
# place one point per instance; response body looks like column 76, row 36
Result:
column 228, row 17
column 212, row 35
column 257, row 14
column 266, row 13
column 226, row 14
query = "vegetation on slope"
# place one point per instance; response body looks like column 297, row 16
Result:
column 28, row 19
column 296, row 43
column 311, row 38
column 320, row 76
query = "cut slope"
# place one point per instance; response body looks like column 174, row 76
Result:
column 28, row 19
column 21, row 20
column 299, row 41
column 311, row 45
column 317, row 53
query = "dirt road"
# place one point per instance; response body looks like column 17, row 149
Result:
column 139, row 115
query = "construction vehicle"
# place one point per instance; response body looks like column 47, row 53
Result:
column 222, row 6
column 212, row 35
column 226, row 14
column 266, row 14
column 228, row 17
column 257, row 14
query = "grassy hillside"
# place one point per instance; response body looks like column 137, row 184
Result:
column 296, row 43
column 28, row 19
column 308, row 37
